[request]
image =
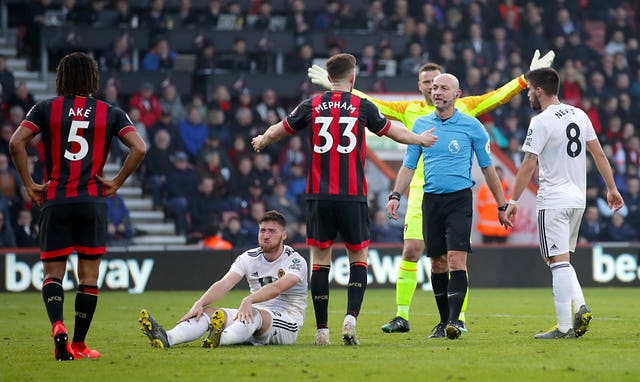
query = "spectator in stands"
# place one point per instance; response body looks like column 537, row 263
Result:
column 268, row 109
column 222, row 100
column 119, row 228
column 235, row 10
column 279, row 200
column 160, row 57
column 11, row 187
column 376, row 18
column 204, row 211
column 564, row 24
column 97, row 16
column 215, row 240
column 367, row 61
column 572, row 85
column 300, row 234
column 234, row 233
column 141, row 128
column 262, row 20
column 7, row 238
column 209, row 18
column 382, row 231
column 414, row 59
column 26, row 233
column 296, row 183
column 124, row 16
column 206, row 65
column 119, row 57
column 165, row 123
column 7, row 79
column 238, row 150
column 302, row 59
column 250, row 222
column 156, row 166
column 238, row 60
column 170, row 101
column 591, row 227
column 6, row 130
column 246, row 124
column 188, row 18
column 22, row 97
column 193, row 133
column 618, row 230
column 182, row 185
column 298, row 21
column 327, row 18
column 263, row 170
column 111, row 95
column 241, row 178
column 292, row 154
column 147, row 102
column 156, row 18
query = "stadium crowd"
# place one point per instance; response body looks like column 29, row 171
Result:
column 200, row 169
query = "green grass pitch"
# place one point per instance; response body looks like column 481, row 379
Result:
column 498, row 347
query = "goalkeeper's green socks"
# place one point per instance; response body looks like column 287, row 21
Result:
column 405, row 287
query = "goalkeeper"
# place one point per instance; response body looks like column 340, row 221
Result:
column 407, row 112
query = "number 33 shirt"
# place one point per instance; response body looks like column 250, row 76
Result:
column 338, row 143
column 558, row 137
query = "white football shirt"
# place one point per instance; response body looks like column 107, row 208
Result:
column 558, row 137
column 260, row 272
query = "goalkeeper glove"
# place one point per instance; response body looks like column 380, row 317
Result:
column 541, row 62
column 319, row 76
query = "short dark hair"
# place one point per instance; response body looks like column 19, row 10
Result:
column 430, row 66
column 547, row 79
column 77, row 75
column 340, row 65
column 274, row 216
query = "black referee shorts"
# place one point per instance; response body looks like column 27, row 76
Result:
column 73, row 227
column 446, row 222
column 326, row 218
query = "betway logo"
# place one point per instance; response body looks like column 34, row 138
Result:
column 114, row 273
column 382, row 270
column 606, row 267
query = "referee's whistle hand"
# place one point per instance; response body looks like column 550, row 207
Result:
column 392, row 209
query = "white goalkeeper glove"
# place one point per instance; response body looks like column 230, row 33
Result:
column 541, row 62
column 319, row 76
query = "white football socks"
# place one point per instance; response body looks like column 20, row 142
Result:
column 189, row 330
column 563, row 276
column 238, row 332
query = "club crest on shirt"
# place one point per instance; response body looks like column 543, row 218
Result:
column 280, row 273
column 454, row 146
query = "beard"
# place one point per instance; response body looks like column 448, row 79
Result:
column 535, row 103
column 272, row 246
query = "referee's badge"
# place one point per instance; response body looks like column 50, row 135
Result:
column 454, row 146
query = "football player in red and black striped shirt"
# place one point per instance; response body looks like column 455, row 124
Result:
column 77, row 131
column 336, row 185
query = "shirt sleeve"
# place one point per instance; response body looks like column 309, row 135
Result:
column 536, row 138
column 481, row 144
column 391, row 109
column 121, row 122
column 412, row 155
column 299, row 118
column 484, row 103
column 376, row 122
column 239, row 266
column 34, row 120
column 296, row 266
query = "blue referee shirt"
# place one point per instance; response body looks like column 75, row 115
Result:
column 447, row 164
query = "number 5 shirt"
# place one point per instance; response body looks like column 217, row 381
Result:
column 77, row 132
column 338, row 143
column 558, row 137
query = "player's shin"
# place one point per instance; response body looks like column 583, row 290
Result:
column 189, row 330
column 405, row 287
column 320, row 294
column 239, row 332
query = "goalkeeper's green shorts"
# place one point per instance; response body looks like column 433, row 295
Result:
column 413, row 218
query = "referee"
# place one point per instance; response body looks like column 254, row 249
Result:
column 447, row 206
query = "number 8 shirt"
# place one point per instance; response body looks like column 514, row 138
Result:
column 558, row 137
column 338, row 143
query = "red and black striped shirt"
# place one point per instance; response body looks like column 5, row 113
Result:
column 338, row 142
column 77, row 134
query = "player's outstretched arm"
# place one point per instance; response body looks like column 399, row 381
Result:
column 273, row 134
column 482, row 104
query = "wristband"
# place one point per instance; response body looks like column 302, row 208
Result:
column 513, row 202
column 503, row 207
column 395, row 196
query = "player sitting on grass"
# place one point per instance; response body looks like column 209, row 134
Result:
column 273, row 313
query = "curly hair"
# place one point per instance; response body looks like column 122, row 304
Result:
column 77, row 75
